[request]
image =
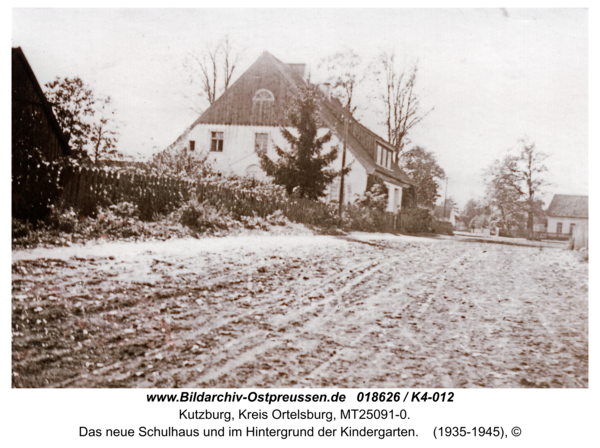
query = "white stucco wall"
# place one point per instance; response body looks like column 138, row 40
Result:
column 566, row 223
column 239, row 156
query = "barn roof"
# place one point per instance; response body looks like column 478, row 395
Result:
column 235, row 107
column 568, row 206
column 19, row 59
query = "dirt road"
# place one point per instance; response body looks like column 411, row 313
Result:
column 300, row 311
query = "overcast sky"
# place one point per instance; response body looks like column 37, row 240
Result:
column 492, row 76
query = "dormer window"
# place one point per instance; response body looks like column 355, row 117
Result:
column 262, row 106
column 385, row 157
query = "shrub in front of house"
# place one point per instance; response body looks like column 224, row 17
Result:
column 363, row 219
column 277, row 219
column 67, row 226
column 202, row 216
column 35, row 185
column 376, row 196
column 442, row 227
column 417, row 220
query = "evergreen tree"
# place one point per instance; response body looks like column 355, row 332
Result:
column 302, row 169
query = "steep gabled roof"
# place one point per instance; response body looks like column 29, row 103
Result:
column 20, row 93
column 362, row 142
column 235, row 107
column 568, row 206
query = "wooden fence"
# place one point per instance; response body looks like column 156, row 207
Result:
column 558, row 236
column 86, row 188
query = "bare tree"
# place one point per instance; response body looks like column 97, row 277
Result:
column 402, row 103
column 516, row 183
column 344, row 73
column 209, row 72
column 104, row 133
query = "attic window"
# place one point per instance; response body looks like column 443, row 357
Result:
column 262, row 107
column 192, row 145
column 263, row 95
column 385, row 157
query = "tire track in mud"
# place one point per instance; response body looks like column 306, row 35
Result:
column 366, row 270
column 373, row 268
column 431, row 281
column 118, row 370
column 324, row 315
column 380, row 315
column 274, row 300
column 398, row 288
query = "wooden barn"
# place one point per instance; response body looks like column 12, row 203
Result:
column 33, row 122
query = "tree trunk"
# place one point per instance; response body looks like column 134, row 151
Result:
column 530, row 225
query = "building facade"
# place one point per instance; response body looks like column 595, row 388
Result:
column 249, row 116
column 566, row 212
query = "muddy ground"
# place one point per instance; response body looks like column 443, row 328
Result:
column 299, row 311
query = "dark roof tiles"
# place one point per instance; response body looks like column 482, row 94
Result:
column 568, row 206
column 235, row 107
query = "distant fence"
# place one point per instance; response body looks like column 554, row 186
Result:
column 553, row 236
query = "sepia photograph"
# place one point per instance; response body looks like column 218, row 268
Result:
column 299, row 198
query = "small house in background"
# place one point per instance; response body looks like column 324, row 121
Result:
column 248, row 117
column 33, row 122
column 445, row 213
column 565, row 213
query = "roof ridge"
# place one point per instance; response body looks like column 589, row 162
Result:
column 64, row 141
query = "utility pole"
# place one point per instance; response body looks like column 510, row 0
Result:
column 346, row 113
column 445, row 197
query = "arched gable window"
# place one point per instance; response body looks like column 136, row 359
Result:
column 263, row 95
column 262, row 107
